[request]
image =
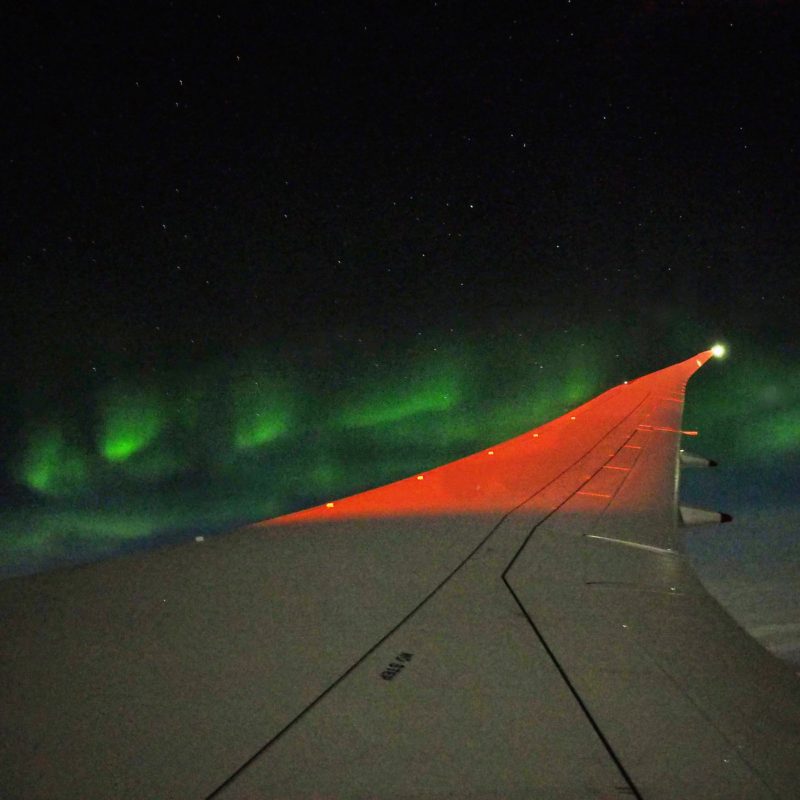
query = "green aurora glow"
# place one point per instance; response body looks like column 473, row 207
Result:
column 262, row 411
column 433, row 387
column 131, row 420
column 227, row 444
column 50, row 465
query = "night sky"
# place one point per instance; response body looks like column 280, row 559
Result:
column 253, row 260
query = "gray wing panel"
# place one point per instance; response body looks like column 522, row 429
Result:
column 462, row 699
column 156, row 676
column 688, row 702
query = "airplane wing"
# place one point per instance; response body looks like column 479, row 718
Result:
column 519, row 623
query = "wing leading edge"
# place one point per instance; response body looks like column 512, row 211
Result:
column 521, row 622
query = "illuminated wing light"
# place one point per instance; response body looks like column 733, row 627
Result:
column 718, row 350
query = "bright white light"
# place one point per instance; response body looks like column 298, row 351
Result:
column 718, row 350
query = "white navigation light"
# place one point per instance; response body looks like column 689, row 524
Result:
column 718, row 350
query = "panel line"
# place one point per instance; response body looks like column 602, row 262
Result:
column 232, row 777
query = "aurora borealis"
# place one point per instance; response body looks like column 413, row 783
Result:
column 260, row 440
column 255, row 260
column 240, row 441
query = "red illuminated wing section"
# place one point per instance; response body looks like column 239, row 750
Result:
column 497, row 479
column 518, row 623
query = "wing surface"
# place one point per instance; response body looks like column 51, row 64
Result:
column 518, row 623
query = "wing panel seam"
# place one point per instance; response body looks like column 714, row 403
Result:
column 232, row 777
